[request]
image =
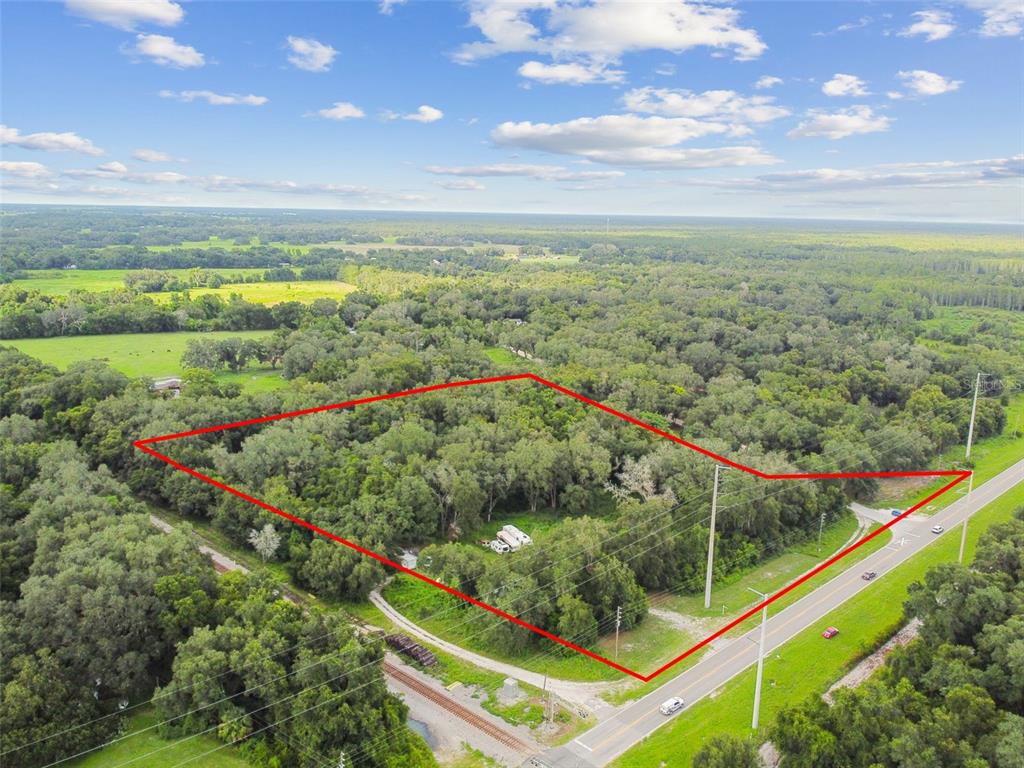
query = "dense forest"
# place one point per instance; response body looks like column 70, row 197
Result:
column 792, row 355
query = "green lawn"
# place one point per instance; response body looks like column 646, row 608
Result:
column 152, row 355
column 501, row 356
column 63, row 281
column 805, row 665
column 142, row 750
column 273, row 293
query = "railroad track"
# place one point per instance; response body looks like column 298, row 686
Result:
column 480, row 723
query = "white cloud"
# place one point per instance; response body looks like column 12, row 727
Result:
column 848, row 26
column 151, row 156
column 538, row 172
column 845, row 85
column 767, row 81
column 838, row 125
column 648, row 142
column 932, row 25
column 924, row 83
column 25, row 170
column 49, row 142
column 462, row 185
column 573, row 73
column 119, row 171
column 940, row 174
column 894, row 95
column 1002, row 18
column 596, row 35
column 387, row 7
column 719, row 105
column 342, row 110
column 125, row 14
column 166, row 51
column 216, row 99
column 424, row 114
column 309, row 54
column 665, row 70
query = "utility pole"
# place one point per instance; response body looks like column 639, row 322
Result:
column 967, row 457
column 711, row 540
column 618, row 623
column 821, row 528
column 760, row 660
column 974, row 410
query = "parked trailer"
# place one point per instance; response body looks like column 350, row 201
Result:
column 513, row 542
column 523, row 538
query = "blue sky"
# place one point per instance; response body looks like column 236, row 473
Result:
column 909, row 110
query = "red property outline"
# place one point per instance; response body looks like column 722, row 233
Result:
column 958, row 475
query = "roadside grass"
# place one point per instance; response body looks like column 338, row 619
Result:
column 731, row 594
column 757, row 577
column 805, row 665
column 466, row 625
column 63, row 281
column 989, row 457
column 150, row 750
column 149, row 355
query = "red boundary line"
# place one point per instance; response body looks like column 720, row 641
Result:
column 958, row 475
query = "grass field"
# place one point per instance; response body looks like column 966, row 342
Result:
column 151, row 355
column 151, row 751
column 866, row 619
column 63, row 281
column 501, row 356
column 273, row 293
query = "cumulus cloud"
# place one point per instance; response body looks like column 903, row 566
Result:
column 572, row 73
column 151, row 156
column 718, row 105
column 341, row 110
column 127, row 15
column 921, row 82
column 387, row 7
column 596, row 35
column 931, row 25
column 118, row 171
column 767, row 81
column 532, row 171
column 838, row 125
column 424, row 114
column 25, row 170
column 166, row 52
column 309, row 54
column 1001, row 18
column 647, row 142
column 845, row 85
column 216, row 99
column 48, row 142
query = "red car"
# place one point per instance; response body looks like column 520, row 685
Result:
column 829, row 633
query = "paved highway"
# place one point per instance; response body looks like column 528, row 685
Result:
column 629, row 725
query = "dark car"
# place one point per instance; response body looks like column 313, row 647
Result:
column 829, row 633
column 868, row 575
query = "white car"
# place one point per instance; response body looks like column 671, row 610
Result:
column 499, row 546
column 671, row 706
column 937, row 529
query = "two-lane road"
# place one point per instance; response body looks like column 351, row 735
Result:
column 638, row 720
